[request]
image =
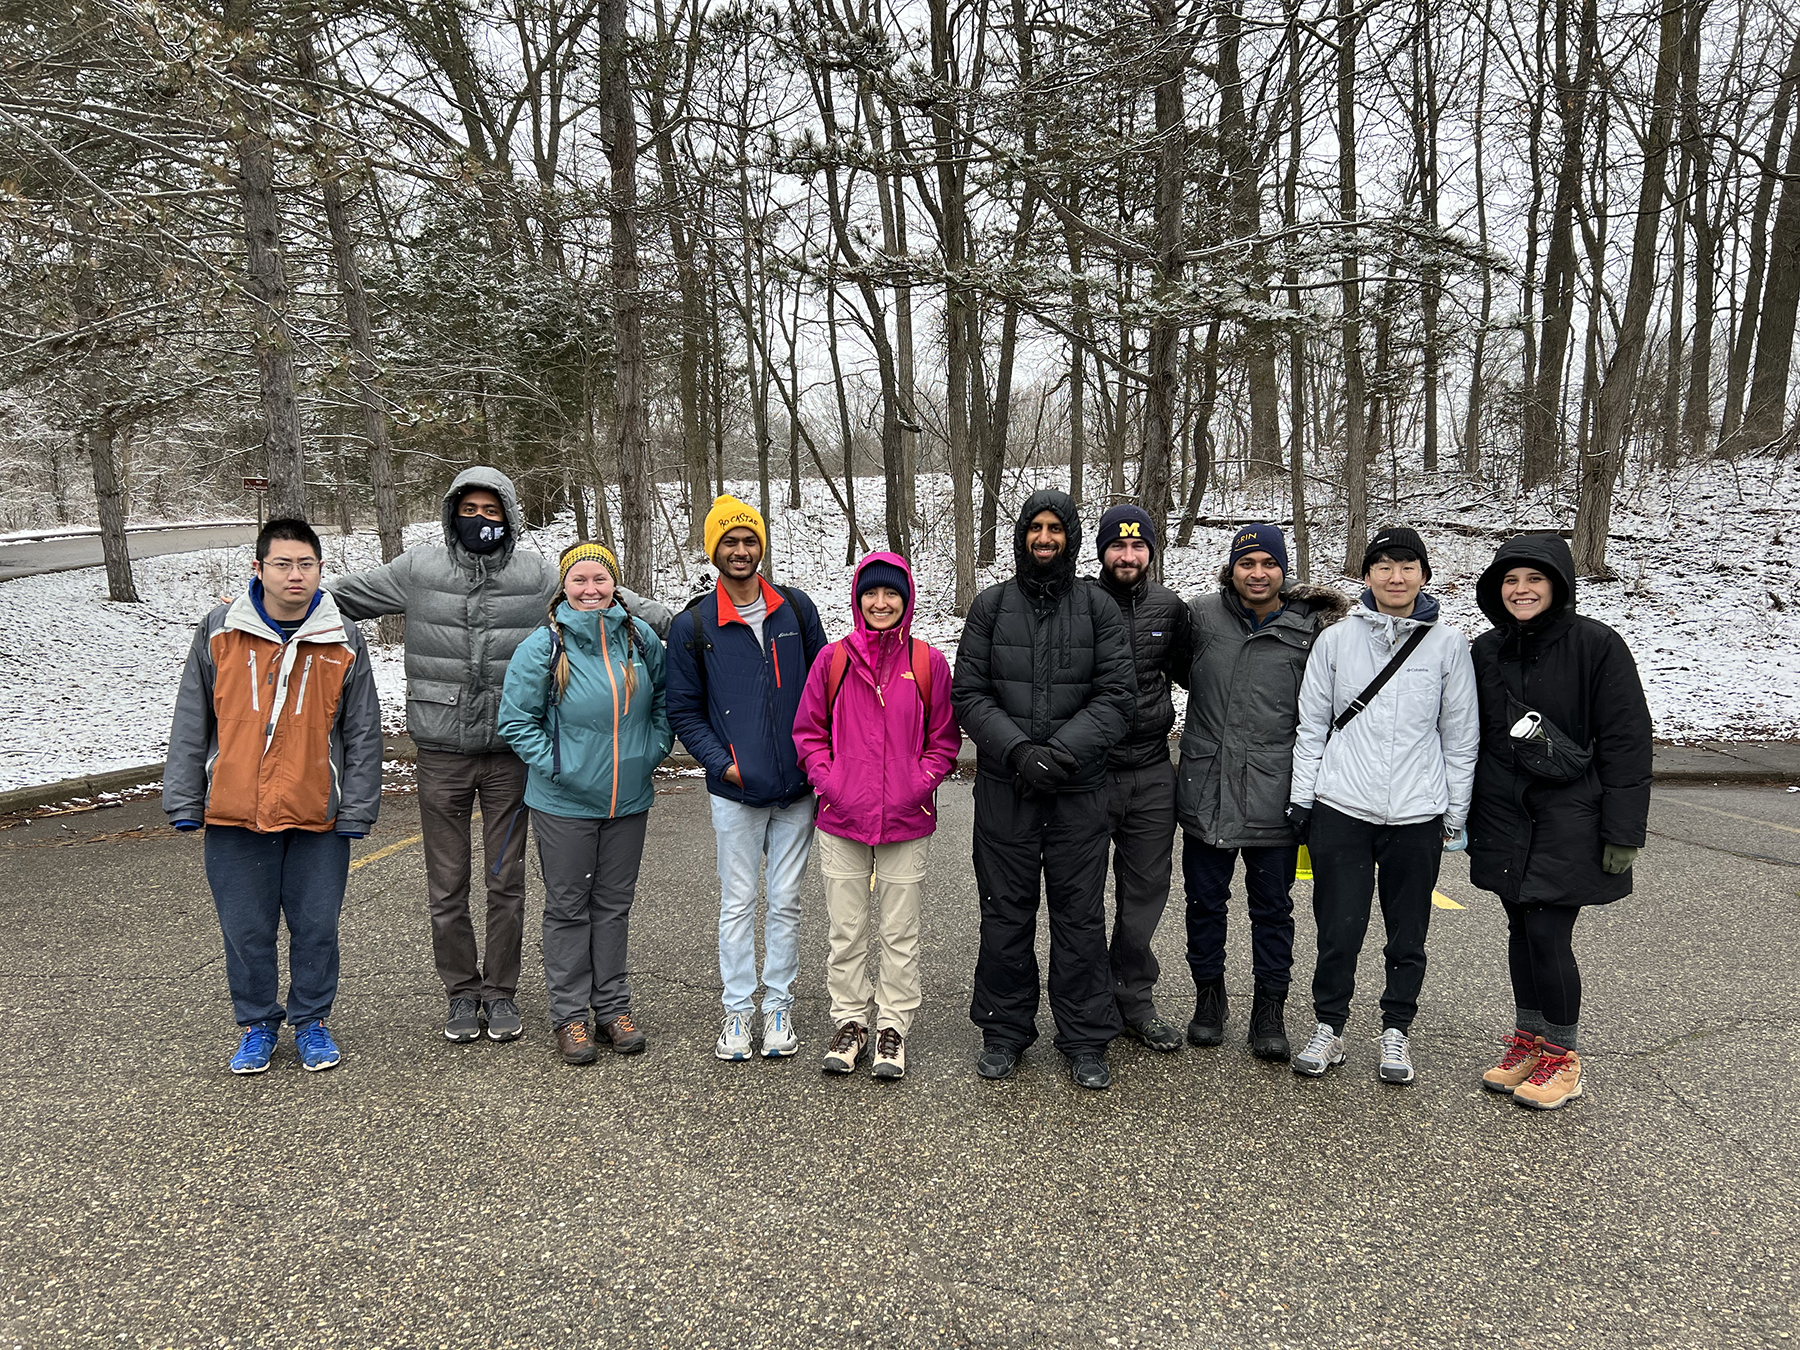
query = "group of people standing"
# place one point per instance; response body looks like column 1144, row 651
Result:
column 547, row 694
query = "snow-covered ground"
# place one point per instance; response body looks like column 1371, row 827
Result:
column 1708, row 598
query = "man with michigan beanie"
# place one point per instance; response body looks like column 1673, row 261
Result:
column 738, row 658
column 1140, row 776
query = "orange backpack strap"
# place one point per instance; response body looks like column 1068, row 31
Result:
column 834, row 681
column 921, row 670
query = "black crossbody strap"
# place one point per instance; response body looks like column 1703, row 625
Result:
column 1363, row 699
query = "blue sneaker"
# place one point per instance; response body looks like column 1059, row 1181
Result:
column 317, row 1049
column 256, row 1048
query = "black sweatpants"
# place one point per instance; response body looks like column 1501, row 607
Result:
column 1060, row 839
column 1345, row 855
column 1140, row 813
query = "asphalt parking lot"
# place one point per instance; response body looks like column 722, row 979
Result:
column 425, row 1194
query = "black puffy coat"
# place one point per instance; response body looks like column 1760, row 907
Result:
column 1531, row 841
column 1158, row 629
column 1044, row 659
column 1243, row 712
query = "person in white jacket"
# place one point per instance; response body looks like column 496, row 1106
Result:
column 1381, row 779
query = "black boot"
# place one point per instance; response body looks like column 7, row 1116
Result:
column 1211, row 1009
column 1268, row 1033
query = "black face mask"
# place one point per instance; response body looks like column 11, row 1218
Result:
column 479, row 534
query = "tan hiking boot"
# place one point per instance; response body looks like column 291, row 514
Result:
column 1519, row 1056
column 846, row 1048
column 890, row 1055
column 1556, row 1080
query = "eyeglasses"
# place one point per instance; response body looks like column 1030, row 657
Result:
column 285, row 565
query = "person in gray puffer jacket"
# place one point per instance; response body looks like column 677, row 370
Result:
column 469, row 601
column 1251, row 640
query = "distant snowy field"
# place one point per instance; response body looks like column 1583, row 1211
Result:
column 1708, row 599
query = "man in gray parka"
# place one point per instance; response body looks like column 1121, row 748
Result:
column 1251, row 640
column 469, row 601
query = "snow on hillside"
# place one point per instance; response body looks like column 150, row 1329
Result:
column 1708, row 597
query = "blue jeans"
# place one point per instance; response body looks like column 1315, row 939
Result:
column 1268, row 886
column 745, row 834
column 256, row 878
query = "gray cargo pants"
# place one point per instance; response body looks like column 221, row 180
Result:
column 590, row 876
column 449, row 786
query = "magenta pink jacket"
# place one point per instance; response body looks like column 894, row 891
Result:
column 875, row 765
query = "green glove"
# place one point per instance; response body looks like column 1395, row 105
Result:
column 1616, row 858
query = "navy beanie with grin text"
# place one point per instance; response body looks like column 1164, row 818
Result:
column 1260, row 539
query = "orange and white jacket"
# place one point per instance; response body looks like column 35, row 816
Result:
column 272, row 734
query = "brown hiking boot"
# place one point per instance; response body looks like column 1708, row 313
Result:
column 1519, row 1056
column 626, row 1038
column 846, row 1047
column 1556, row 1080
column 574, row 1044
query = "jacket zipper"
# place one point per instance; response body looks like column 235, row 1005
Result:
column 612, row 679
column 255, row 678
column 305, row 674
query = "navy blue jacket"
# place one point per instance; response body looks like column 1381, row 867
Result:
column 745, row 714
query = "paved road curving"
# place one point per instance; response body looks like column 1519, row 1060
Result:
column 40, row 556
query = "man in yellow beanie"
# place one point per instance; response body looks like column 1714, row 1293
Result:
column 738, row 658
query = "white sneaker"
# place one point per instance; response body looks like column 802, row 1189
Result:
column 1323, row 1051
column 779, row 1040
column 734, row 1037
column 1396, row 1057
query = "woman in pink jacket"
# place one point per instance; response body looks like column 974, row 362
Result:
column 876, row 736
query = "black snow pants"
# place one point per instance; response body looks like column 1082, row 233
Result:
column 1062, row 840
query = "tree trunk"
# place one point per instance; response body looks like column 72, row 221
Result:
column 265, row 273
column 1356, row 468
column 97, row 428
column 1599, row 468
column 1669, row 449
column 1209, row 397
column 1165, row 327
column 1471, row 446
column 637, row 480
column 950, row 191
column 1425, row 152
column 1543, row 403
column 1765, row 416
column 1079, row 327
column 1737, row 375
column 1290, row 217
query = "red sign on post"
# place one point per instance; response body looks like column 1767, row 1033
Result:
column 257, row 484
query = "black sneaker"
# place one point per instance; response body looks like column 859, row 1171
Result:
column 1089, row 1070
column 1156, row 1033
column 1211, row 1011
column 1268, row 1030
column 997, row 1061
column 504, row 1023
column 463, row 1023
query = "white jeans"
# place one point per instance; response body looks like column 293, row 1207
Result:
column 894, row 876
column 745, row 835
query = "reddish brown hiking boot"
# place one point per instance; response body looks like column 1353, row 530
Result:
column 1556, row 1080
column 574, row 1044
column 1519, row 1056
column 626, row 1038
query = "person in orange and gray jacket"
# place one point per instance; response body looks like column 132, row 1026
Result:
column 276, row 750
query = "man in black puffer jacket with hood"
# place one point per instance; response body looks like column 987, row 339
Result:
column 1140, row 776
column 1043, row 686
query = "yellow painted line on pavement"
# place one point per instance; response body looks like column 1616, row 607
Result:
column 387, row 852
column 1443, row 901
column 1733, row 815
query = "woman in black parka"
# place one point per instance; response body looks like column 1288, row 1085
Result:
column 1562, row 794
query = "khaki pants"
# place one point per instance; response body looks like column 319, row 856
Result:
column 898, row 873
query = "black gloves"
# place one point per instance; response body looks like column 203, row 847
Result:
column 1042, row 768
column 1299, row 819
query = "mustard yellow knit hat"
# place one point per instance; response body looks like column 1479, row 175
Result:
column 727, row 514
column 588, row 551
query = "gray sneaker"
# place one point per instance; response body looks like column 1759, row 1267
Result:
column 463, row 1024
column 1325, row 1050
column 504, row 1022
column 779, row 1040
column 1396, row 1057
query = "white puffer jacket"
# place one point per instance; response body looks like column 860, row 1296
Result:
column 1409, row 755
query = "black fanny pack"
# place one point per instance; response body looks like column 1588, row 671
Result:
column 1547, row 752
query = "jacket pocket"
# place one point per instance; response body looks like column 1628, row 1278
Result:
column 1268, row 779
column 443, row 692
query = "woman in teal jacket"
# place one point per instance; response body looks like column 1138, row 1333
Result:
column 583, row 706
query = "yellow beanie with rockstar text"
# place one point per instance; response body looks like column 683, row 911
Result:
column 727, row 514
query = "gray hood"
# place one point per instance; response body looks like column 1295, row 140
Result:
column 483, row 476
